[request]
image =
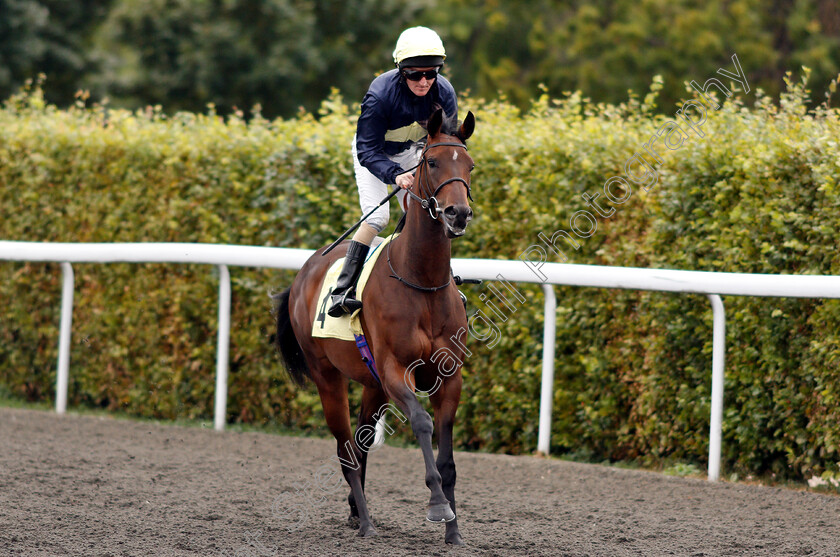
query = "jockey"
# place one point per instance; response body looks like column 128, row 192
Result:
column 385, row 142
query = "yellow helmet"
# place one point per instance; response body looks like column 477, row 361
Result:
column 419, row 47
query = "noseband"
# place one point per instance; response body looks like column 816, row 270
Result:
column 430, row 204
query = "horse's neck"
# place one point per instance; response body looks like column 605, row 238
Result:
column 424, row 256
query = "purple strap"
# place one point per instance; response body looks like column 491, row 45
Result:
column 367, row 356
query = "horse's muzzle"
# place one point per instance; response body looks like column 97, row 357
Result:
column 455, row 219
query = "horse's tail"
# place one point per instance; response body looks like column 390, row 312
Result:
column 286, row 342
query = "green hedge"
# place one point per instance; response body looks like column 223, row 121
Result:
column 757, row 194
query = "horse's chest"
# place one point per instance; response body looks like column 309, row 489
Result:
column 418, row 330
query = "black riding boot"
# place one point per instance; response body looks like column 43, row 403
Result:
column 343, row 297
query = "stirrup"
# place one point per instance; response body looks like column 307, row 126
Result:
column 343, row 305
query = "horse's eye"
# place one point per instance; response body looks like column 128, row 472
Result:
column 472, row 167
column 432, row 163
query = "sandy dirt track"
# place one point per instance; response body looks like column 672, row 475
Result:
column 82, row 485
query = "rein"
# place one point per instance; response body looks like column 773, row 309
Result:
column 431, row 205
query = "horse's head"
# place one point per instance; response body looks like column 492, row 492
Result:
column 444, row 175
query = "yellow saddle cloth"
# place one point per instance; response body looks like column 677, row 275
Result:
column 344, row 327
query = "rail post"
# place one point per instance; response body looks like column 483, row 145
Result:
column 718, row 354
column 547, row 389
column 63, row 373
column 222, row 350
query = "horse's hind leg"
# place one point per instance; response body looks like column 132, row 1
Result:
column 333, row 393
column 373, row 400
column 445, row 403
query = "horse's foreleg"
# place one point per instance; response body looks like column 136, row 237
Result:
column 422, row 426
column 445, row 403
column 337, row 413
column 373, row 401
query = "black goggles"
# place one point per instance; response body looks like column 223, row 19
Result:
column 420, row 74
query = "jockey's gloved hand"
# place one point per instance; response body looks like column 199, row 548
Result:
column 405, row 181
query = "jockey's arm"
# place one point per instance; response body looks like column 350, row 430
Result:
column 370, row 141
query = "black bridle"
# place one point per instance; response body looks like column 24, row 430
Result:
column 430, row 204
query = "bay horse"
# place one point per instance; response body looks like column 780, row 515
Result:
column 411, row 311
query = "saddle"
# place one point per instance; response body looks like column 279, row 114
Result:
column 345, row 327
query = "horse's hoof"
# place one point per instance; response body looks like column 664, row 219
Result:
column 440, row 513
column 455, row 539
column 353, row 522
column 368, row 532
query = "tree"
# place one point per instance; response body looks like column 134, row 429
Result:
column 185, row 54
column 284, row 54
column 50, row 37
column 21, row 42
column 281, row 54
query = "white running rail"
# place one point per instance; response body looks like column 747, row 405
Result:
column 713, row 285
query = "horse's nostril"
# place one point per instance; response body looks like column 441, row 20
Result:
column 449, row 212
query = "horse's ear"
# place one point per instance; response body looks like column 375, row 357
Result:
column 435, row 122
column 467, row 128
